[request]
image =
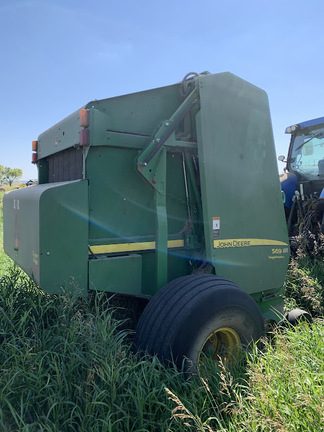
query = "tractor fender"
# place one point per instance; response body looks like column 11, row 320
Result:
column 288, row 182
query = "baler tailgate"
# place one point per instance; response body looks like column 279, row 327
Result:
column 242, row 205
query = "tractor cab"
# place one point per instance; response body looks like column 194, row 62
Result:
column 306, row 151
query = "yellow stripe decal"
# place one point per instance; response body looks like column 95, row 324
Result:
column 246, row 242
column 132, row 247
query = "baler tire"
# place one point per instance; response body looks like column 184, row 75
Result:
column 196, row 311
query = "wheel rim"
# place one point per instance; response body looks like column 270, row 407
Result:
column 223, row 344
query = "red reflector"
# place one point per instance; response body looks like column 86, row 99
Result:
column 34, row 158
column 84, row 137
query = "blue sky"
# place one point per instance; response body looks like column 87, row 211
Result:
column 56, row 55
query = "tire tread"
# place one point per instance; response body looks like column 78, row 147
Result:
column 164, row 312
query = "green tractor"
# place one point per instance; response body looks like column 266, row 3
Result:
column 171, row 195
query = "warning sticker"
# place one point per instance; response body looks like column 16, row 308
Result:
column 216, row 227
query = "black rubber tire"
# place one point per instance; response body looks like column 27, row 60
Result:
column 184, row 313
column 296, row 316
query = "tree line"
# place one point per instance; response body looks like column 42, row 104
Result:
column 9, row 175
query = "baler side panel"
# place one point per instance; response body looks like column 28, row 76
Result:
column 64, row 225
column 47, row 234
column 21, row 228
column 123, row 214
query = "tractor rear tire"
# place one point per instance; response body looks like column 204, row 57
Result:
column 196, row 316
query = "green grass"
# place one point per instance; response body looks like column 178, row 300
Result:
column 282, row 389
column 66, row 364
column 285, row 386
column 305, row 280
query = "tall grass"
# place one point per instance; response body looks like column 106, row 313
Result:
column 285, row 387
column 282, row 390
column 305, row 278
column 66, row 366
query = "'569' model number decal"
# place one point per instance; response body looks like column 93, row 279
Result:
column 279, row 251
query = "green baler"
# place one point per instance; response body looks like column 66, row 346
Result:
column 170, row 194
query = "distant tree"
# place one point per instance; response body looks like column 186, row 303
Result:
column 9, row 175
column 1, row 173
